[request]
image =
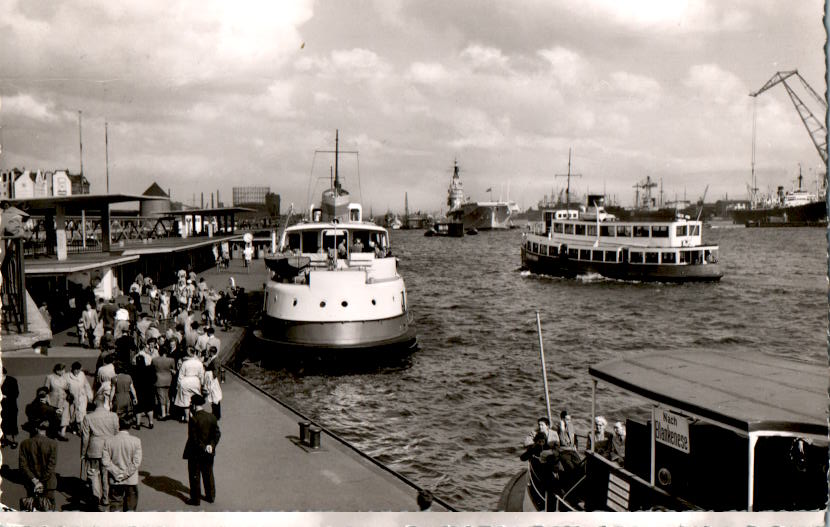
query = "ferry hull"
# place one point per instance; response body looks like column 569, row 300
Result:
column 570, row 268
column 370, row 335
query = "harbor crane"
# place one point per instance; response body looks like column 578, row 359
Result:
column 815, row 127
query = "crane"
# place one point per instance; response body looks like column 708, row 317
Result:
column 814, row 126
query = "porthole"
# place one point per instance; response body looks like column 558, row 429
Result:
column 295, row 301
column 374, row 302
column 323, row 303
column 344, row 304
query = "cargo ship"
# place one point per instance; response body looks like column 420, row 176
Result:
column 479, row 215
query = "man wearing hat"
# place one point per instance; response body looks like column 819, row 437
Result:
column 37, row 460
column 200, row 449
column 40, row 410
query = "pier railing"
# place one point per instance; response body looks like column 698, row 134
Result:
column 13, row 288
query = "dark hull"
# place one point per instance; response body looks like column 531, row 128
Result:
column 569, row 268
column 809, row 214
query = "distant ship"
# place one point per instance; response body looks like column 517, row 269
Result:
column 797, row 207
column 480, row 215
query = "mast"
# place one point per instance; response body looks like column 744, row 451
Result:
column 568, row 175
column 107, row 154
column 81, row 143
column 336, row 155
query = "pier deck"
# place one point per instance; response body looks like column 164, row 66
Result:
column 259, row 465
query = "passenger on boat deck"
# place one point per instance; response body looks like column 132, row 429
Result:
column 567, row 438
column 603, row 437
column 357, row 246
column 341, row 249
column 542, row 426
column 617, row 447
column 535, row 449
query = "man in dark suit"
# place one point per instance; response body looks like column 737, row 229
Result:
column 38, row 458
column 202, row 437
column 39, row 410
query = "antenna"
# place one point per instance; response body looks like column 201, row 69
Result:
column 81, row 142
column 106, row 154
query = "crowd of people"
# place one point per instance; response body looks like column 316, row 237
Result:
column 150, row 367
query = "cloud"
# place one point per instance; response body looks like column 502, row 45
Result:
column 672, row 15
column 566, row 65
column 484, row 57
column 637, row 89
column 358, row 63
column 432, row 73
column 26, row 105
column 711, row 82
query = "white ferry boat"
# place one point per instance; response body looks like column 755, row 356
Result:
column 718, row 431
column 334, row 283
column 571, row 242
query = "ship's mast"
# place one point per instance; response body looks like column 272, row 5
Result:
column 569, row 176
column 336, row 155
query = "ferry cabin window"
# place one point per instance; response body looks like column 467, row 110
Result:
column 695, row 257
column 624, row 230
column 311, row 241
column 293, row 242
column 579, row 230
column 363, row 236
column 681, row 230
column 640, row 231
column 790, row 474
column 669, row 257
column 610, row 256
column 606, row 230
column 584, row 254
column 535, row 247
column 652, row 257
column 552, row 251
column 331, row 241
column 557, row 227
column 635, row 257
column 684, row 257
column 573, row 253
column 660, row 231
column 694, row 230
column 592, row 230
column 597, row 256
column 569, row 228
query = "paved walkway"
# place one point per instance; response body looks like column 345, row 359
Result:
column 259, row 464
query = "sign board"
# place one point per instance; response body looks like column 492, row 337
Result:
column 671, row 429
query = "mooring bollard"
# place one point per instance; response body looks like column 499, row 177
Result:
column 304, row 431
column 314, row 436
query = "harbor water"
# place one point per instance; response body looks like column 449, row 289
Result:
column 452, row 417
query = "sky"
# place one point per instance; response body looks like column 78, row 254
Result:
column 202, row 96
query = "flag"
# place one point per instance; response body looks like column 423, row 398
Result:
column 489, row 189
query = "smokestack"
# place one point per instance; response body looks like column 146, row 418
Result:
column 217, row 197
column 211, row 201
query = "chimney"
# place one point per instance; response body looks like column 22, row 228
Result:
column 211, row 201
column 203, row 200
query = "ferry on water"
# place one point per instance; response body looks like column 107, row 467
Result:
column 334, row 283
column 719, row 431
column 575, row 242
column 479, row 215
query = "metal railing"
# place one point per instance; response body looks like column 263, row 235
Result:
column 13, row 289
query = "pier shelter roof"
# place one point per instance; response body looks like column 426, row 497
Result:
column 75, row 204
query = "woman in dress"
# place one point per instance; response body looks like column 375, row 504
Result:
column 58, row 385
column 164, row 367
column 144, row 376
column 124, row 397
column 191, row 379
column 81, row 394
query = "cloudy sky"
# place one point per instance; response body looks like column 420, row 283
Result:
column 206, row 95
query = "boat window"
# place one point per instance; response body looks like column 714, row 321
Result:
column 694, row 230
column 695, row 257
column 363, row 238
column 635, row 257
column 585, row 254
column 553, row 251
column 535, row 247
column 610, row 256
column 592, row 230
column 569, row 228
column 573, row 253
column 557, row 227
column 640, row 231
column 597, row 256
column 579, row 230
column 311, row 241
column 606, row 230
column 624, row 230
column 790, row 474
column 652, row 257
column 669, row 257
column 684, row 257
column 293, row 241
column 660, row 231
column 332, row 238
column 681, row 230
